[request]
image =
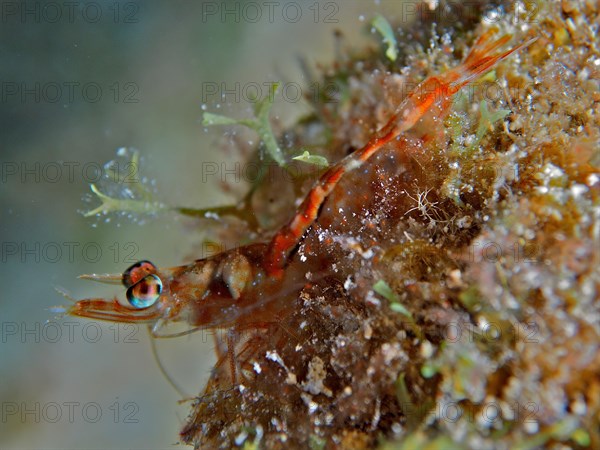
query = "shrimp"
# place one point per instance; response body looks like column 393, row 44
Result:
column 239, row 288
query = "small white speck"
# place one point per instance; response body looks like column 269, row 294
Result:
column 432, row 4
column 578, row 189
column 372, row 299
column 426, row 349
column 211, row 215
column 553, row 171
column 273, row 356
column 531, row 426
column 291, row 379
column 583, row 74
column 579, row 407
column 241, row 438
column 348, row 284
column 592, row 179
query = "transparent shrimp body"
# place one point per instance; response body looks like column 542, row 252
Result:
column 240, row 287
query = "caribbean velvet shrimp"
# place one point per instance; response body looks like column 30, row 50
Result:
column 239, row 288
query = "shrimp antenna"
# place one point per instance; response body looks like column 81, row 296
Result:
column 62, row 291
column 107, row 278
column 59, row 309
column 184, row 396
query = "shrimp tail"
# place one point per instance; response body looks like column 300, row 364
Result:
column 481, row 59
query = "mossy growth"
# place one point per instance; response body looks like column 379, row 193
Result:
column 453, row 289
column 452, row 295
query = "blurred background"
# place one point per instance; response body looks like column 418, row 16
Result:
column 78, row 80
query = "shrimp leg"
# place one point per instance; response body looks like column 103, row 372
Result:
column 434, row 92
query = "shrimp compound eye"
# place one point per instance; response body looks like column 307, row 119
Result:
column 145, row 292
column 138, row 271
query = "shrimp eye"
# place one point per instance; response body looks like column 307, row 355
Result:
column 138, row 271
column 145, row 292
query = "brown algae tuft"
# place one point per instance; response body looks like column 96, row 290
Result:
column 461, row 305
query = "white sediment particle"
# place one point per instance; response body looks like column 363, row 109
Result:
column 583, row 74
column 454, row 279
column 291, row 379
column 531, row 426
column 241, row 438
column 274, row 356
column 426, row 349
column 432, row 4
column 308, row 401
column 368, row 254
column 211, row 215
column 564, row 284
column 376, row 415
column 579, row 406
column 372, row 299
column 508, row 411
column 552, row 171
column 348, row 284
column 578, row 189
column 316, row 376
column 368, row 330
column 257, row 367
column 392, row 352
